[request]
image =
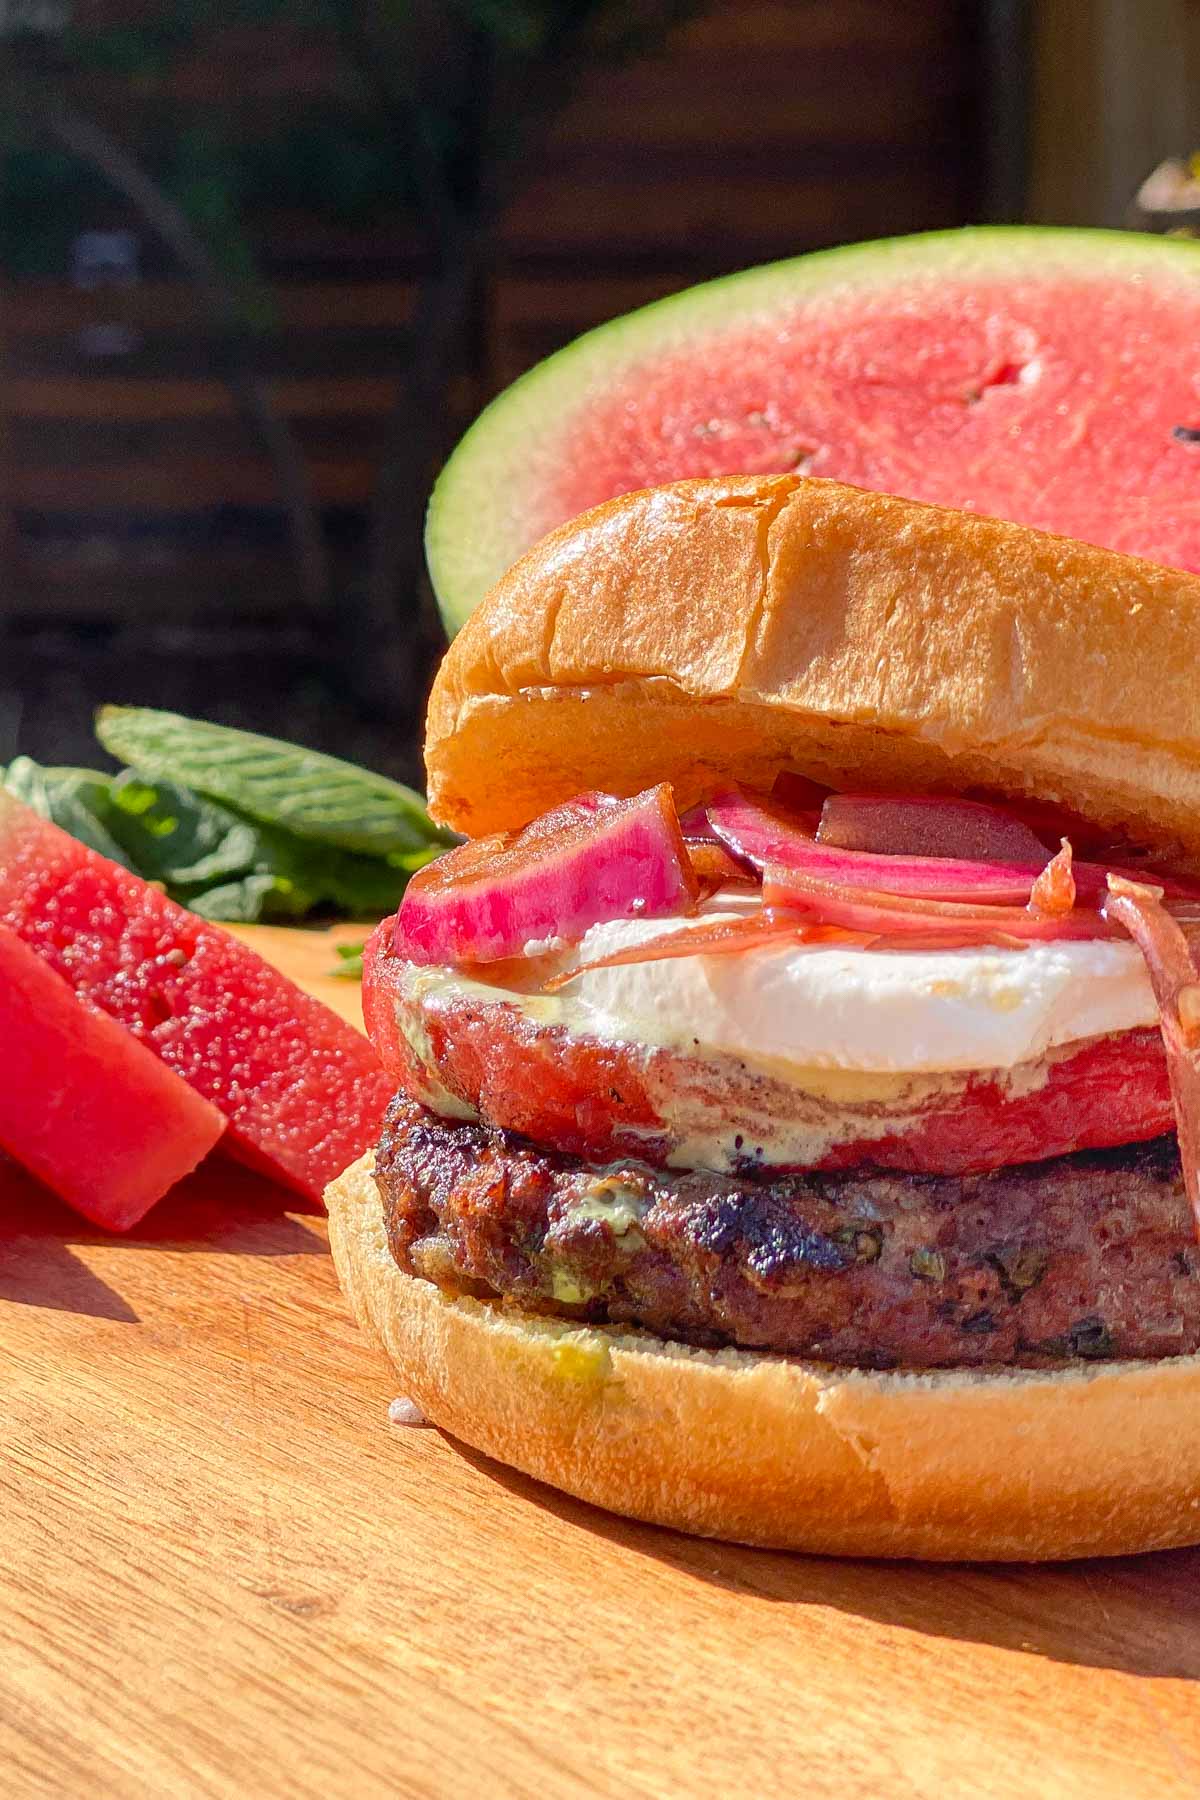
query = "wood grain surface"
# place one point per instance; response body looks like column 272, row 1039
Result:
column 225, row 1573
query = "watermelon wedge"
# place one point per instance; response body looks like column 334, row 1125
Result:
column 303, row 1092
column 1046, row 376
column 84, row 1106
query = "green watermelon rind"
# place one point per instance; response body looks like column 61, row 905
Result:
column 472, row 529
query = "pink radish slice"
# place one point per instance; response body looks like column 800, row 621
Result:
column 595, row 858
column 927, row 825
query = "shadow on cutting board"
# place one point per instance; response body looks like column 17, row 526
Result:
column 221, row 1207
column 1135, row 1614
column 55, row 1277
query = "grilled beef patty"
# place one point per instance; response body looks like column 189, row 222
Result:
column 1088, row 1256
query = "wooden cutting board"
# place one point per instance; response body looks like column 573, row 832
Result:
column 223, row 1572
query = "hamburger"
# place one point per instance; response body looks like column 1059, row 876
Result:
column 797, row 1063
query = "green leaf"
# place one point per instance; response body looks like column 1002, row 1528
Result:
column 249, row 901
column 76, row 800
column 173, row 835
column 225, row 866
column 209, row 856
column 316, row 797
column 360, row 886
column 350, row 962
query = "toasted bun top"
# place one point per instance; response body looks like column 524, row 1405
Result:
column 730, row 628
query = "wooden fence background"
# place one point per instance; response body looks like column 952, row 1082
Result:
column 1116, row 90
column 135, row 500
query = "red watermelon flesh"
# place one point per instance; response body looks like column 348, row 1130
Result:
column 84, row 1106
column 1051, row 403
column 303, row 1093
column 1048, row 377
column 607, row 1100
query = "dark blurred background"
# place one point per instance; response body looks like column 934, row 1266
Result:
column 262, row 262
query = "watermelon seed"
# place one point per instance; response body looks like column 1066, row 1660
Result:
column 802, row 458
column 1186, row 434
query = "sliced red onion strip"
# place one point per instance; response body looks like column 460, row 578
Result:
column 763, row 833
column 694, row 824
column 715, row 868
column 592, row 860
column 863, row 910
column 1173, row 975
column 949, row 937
column 927, row 825
column 719, row 937
column 800, row 796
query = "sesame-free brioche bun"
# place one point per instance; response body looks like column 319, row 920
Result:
column 727, row 630
column 730, row 628
column 1020, row 1465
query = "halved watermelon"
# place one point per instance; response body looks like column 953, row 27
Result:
column 1046, row 376
column 302, row 1091
column 83, row 1105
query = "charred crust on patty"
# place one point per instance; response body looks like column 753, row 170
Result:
column 1086, row 1257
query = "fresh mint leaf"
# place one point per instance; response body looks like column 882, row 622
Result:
column 172, row 835
column 250, row 901
column 78, row 801
column 350, row 962
column 224, row 866
column 415, row 859
column 316, row 797
column 209, row 856
column 359, row 886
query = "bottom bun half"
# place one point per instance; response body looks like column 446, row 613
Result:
column 1098, row 1460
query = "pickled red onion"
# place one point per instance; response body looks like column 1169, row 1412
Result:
column 764, row 834
column 694, row 824
column 718, row 937
column 715, row 868
column 799, row 795
column 927, row 825
column 861, row 909
column 947, row 937
column 1176, row 982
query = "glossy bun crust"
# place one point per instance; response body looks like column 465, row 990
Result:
column 728, row 628
column 1016, row 1466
